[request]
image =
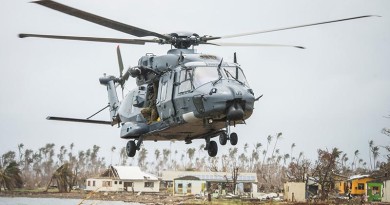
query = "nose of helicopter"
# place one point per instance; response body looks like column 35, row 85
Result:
column 231, row 101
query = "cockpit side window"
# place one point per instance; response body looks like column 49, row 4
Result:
column 185, row 81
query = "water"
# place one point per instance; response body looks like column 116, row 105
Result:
column 56, row 201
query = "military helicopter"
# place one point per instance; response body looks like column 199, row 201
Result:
column 182, row 95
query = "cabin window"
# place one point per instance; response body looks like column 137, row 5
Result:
column 93, row 183
column 120, row 182
column 375, row 190
column 89, row 183
column 149, row 184
column 106, row 183
column 185, row 81
column 128, row 184
column 180, row 188
column 116, row 182
column 203, row 75
column 236, row 74
column 360, row 186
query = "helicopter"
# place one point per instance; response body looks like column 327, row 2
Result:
column 183, row 95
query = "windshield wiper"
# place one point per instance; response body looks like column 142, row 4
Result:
column 228, row 73
column 219, row 72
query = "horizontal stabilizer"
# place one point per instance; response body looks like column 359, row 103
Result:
column 79, row 120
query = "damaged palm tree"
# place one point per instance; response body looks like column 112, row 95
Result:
column 64, row 178
column 10, row 177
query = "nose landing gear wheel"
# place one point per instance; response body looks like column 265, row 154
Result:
column 213, row 149
column 131, row 148
column 233, row 138
column 223, row 138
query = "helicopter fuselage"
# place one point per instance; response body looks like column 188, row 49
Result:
column 198, row 95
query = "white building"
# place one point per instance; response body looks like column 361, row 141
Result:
column 195, row 182
column 295, row 191
column 124, row 178
column 386, row 191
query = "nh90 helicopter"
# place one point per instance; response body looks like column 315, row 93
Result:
column 182, row 95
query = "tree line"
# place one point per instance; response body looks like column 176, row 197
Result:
column 32, row 169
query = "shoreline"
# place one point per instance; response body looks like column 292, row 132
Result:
column 144, row 198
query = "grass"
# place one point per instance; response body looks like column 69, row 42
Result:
column 229, row 202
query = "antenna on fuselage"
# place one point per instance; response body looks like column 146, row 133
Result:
column 235, row 57
column 219, row 65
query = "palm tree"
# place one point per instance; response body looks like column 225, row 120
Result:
column 123, row 156
column 142, row 155
column 10, row 176
column 258, row 146
column 246, row 147
column 190, row 153
column 157, row 154
column 292, row 148
column 359, row 162
column 61, row 154
column 64, row 178
column 20, row 149
column 166, row 154
column 285, row 157
column 375, row 154
column 254, row 159
column 370, row 145
column 243, row 159
column 113, row 148
column 276, row 142
column 355, row 157
column 232, row 153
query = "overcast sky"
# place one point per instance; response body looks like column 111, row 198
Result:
column 333, row 94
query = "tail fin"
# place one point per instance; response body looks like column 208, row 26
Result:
column 109, row 82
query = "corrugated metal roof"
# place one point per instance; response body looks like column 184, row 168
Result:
column 209, row 176
column 133, row 173
column 359, row 176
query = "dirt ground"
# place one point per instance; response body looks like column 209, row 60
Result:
column 146, row 198
column 160, row 198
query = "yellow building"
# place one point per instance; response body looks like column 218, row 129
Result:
column 358, row 184
column 341, row 183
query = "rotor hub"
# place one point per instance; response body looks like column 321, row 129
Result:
column 184, row 40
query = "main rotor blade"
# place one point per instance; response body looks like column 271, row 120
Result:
column 287, row 28
column 252, row 44
column 120, row 62
column 132, row 30
column 95, row 39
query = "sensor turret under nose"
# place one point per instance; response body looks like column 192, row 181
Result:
column 235, row 112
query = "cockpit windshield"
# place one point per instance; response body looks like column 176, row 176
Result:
column 236, row 74
column 203, row 75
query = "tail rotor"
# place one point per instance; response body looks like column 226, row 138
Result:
column 122, row 78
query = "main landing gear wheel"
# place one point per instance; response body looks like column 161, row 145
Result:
column 223, row 138
column 212, row 149
column 233, row 138
column 131, row 148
